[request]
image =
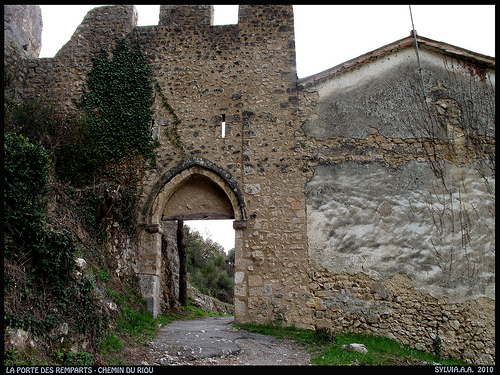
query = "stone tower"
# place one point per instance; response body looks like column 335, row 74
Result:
column 332, row 196
column 234, row 89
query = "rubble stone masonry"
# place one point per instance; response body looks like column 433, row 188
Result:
column 327, row 187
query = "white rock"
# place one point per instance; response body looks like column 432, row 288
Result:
column 17, row 337
column 80, row 263
column 112, row 306
column 360, row 348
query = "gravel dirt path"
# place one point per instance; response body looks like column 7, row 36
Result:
column 214, row 341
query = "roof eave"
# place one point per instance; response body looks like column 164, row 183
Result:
column 397, row 45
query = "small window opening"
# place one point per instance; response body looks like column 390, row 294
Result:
column 223, row 126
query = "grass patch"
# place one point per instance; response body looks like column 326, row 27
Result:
column 111, row 343
column 327, row 349
column 136, row 322
column 281, row 332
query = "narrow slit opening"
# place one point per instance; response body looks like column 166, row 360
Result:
column 223, row 126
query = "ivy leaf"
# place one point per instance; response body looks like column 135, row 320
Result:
column 117, row 101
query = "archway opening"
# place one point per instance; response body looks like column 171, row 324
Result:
column 197, row 197
column 206, row 251
column 210, row 252
column 203, row 262
column 197, row 189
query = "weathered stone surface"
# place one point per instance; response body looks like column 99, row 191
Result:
column 61, row 330
column 18, row 338
column 364, row 217
column 81, row 263
column 23, row 29
column 208, row 303
column 334, row 201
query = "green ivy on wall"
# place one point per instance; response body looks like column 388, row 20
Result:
column 117, row 109
column 117, row 101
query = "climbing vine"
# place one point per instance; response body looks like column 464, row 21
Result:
column 170, row 132
column 117, row 101
column 66, row 178
column 116, row 106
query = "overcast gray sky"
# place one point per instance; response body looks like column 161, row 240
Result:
column 325, row 35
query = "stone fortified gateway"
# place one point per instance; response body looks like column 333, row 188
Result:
column 335, row 206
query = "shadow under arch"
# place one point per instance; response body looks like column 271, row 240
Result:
column 166, row 185
column 149, row 256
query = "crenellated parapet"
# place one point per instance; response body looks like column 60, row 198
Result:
column 256, row 15
column 182, row 15
column 339, row 219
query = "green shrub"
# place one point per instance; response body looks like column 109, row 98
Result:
column 53, row 257
column 75, row 359
column 26, row 177
column 39, row 294
column 31, row 119
column 210, row 269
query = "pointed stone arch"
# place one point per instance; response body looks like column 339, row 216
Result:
column 163, row 189
column 195, row 180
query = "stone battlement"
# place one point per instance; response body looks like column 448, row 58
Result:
column 341, row 220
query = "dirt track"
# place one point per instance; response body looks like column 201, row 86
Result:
column 214, row 341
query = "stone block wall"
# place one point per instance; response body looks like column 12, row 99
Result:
column 244, row 75
column 328, row 178
column 398, row 245
column 395, row 308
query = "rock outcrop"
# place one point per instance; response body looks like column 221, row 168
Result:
column 23, row 29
